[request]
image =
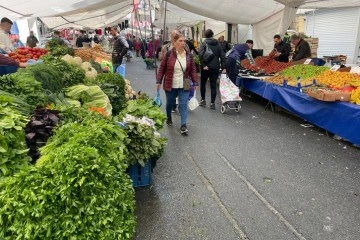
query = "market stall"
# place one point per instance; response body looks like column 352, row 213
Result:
column 340, row 118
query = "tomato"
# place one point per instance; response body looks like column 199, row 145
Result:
column 29, row 55
column 23, row 60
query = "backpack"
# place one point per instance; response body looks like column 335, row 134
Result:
column 208, row 54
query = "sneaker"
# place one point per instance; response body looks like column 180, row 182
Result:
column 174, row 109
column 202, row 102
column 212, row 106
column 183, row 129
column 169, row 122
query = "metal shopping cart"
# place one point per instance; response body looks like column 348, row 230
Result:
column 229, row 92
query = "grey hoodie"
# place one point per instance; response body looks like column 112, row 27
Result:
column 219, row 60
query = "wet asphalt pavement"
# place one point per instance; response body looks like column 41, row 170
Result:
column 255, row 174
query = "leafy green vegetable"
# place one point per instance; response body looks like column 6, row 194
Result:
column 13, row 151
column 96, row 65
column 144, row 108
column 56, row 49
column 114, row 86
column 90, row 96
column 24, row 86
column 15, row 103
column 50, row 78
column 77, row 190
column 143, row 143
column 71, row 74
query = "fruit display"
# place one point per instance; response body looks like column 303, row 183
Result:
column 23, row 54
column 355, row 96
column 94, row 53
column 303, row 71
column 266, row 64
column 337, row 79
column 278, row 79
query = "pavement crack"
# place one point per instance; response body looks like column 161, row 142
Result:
column 251, row 187
column 215, row 196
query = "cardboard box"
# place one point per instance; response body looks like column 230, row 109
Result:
column 329, row 95
column 343, row 96
column 321, row 95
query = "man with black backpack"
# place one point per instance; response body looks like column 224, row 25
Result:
column 212, row 58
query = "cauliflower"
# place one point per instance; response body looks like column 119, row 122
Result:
column 86, row 66
column 92, row 73
column 67, row 58
column 77, row 61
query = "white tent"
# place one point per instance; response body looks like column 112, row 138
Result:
column 267, row 17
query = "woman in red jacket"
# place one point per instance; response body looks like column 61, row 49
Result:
column 175, row 68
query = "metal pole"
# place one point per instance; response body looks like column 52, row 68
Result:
column 153, row 39
column 164, row 29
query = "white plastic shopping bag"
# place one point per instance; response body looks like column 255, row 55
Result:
column 193, row 102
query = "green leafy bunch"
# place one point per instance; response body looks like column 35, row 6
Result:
column 15, row 103
column 50, row 77
column 144, row 108
column 143, row 143
column 113, row 85
column 24, row 86
column 70, row 73
column 77, row 190
column 13, row 149
column 57, row 49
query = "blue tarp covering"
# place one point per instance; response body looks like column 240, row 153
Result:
column 14, row 29
column 340, row 118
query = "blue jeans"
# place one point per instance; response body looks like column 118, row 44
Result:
column 183, row 101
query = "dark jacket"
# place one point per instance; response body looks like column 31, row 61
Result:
column 166, row 70
column 120, row 49
column 219, row 53
column 302, row 50
column 31, row 41
column 284, row 49
column 225, row 45
column 239, row 52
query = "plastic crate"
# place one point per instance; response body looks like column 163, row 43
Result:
column 141, row 176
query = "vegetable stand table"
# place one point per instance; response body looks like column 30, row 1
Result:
column 340, row 118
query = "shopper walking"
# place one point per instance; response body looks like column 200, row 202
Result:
column 210, row 65
column 177, row 69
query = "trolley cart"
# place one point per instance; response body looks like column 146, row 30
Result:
column 229, row 92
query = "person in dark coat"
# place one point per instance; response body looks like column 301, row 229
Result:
column 120, row 48
column 302, row 48
column 282, row 49
column 210, row 69
column 226, row 46
column 175, row 67
column 239, row 53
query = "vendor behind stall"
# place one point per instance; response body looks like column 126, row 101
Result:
column 302, row 48
column 282, row 49
column 5, row 41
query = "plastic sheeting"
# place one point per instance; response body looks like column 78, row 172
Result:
column 264, row 31
column 340, row 118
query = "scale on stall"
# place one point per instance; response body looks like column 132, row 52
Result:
column 335, row 60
